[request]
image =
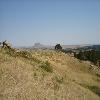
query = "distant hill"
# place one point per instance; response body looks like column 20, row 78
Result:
column 40, row 46
column 89, row 47
column 75, row 46
column 96, row 47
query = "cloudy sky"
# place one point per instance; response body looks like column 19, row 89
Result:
column 24, row 22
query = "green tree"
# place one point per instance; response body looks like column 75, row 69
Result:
column 58, row 47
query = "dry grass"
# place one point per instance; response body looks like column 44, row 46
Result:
column 22, row 78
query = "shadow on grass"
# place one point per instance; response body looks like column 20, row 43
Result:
column 94, row 89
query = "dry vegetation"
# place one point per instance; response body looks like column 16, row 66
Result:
column 46, row 75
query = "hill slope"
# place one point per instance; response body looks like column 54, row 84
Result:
column 47, row 75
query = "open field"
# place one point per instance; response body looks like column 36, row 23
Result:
column 47, row 75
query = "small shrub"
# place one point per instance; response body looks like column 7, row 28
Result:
column 59, row 79
column 35, row 60
column 46, row 66
column 24, row 54
column 35, row 75
column 9, row 51
column 56, row 86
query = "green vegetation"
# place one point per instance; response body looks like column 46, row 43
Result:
column 24, row 54
column 93, row 56
column 46, row 66
column 58, row 47
column 94, row 89
column 59, row 79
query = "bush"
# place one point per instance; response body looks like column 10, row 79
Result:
column 46, row 66
column 58, row 47
column 24, row 54
column 59, row 79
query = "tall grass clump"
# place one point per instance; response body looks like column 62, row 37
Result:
column 46, row 66
column 59, row 79
column 24, row 54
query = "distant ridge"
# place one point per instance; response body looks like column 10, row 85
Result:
column 43, row 47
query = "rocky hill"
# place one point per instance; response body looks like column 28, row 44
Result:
column 46, row 75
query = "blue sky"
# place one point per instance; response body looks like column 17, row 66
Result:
column 24, row 22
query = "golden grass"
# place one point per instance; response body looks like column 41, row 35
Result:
column 22, row 78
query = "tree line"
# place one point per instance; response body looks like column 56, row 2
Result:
column 91, row 55
column 82, row 54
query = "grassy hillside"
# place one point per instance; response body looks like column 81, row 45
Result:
column 46, row 75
